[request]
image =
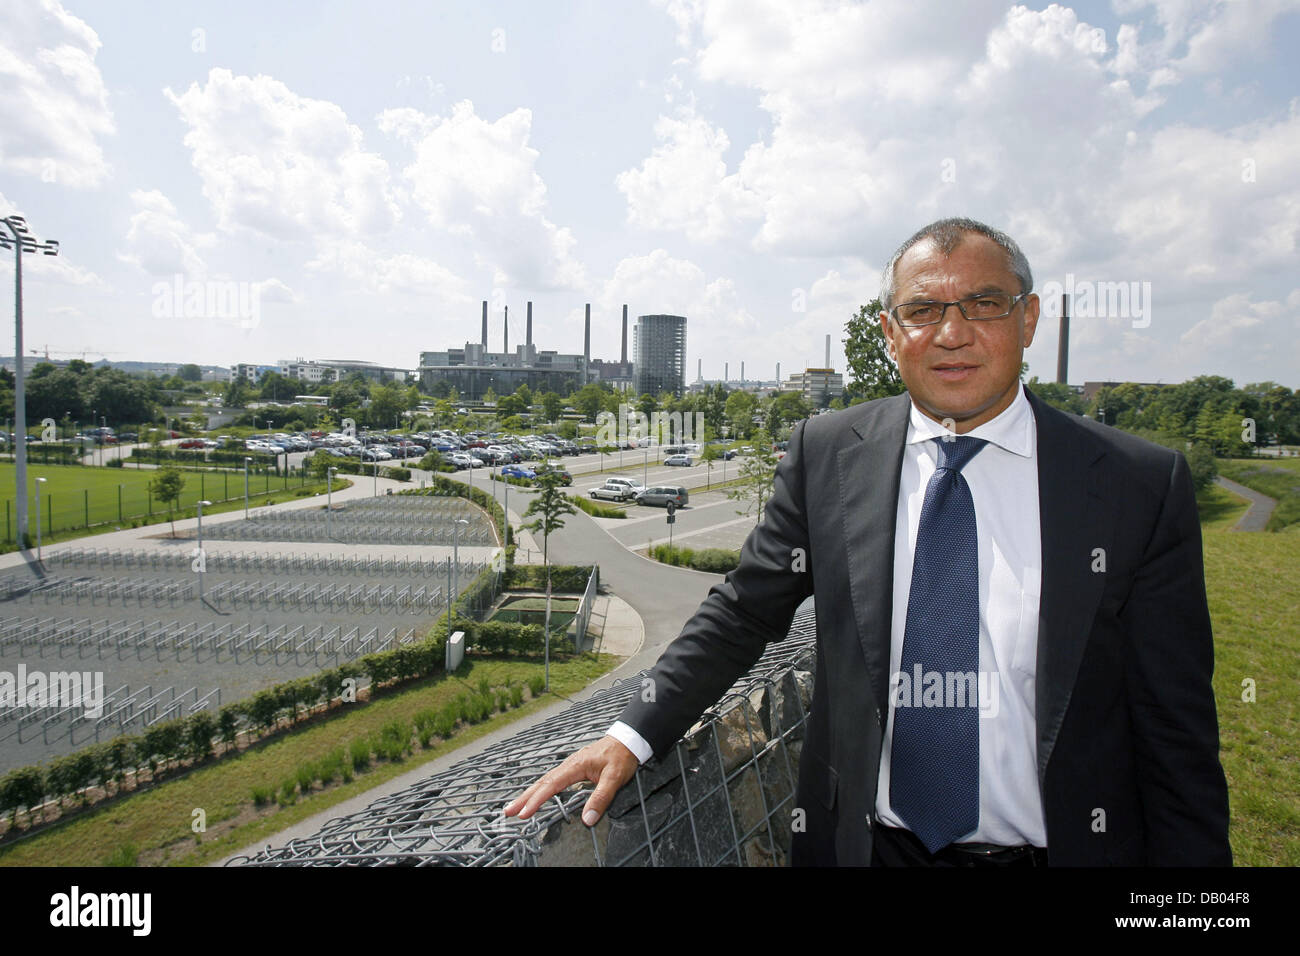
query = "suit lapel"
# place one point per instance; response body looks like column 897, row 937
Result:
column 1074, row 521
column 868, row 475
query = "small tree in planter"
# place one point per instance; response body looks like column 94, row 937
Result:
column 550, row 506
column 166, row 486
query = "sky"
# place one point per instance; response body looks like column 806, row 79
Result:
column 351, row 180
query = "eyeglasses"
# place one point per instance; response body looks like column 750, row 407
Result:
column 986, row 305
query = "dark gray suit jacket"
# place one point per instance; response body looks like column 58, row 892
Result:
column 1127, row 732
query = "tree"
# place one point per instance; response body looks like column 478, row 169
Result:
column 551, row 406
column 589, row 400
column 740, row 413
column 872, row 371
column 550, row 506
column 756, row 479
column 189, row 372
column 1058, row 395
column 166, row 486
column 709, row 455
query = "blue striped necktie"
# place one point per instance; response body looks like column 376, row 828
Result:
column 934, row 761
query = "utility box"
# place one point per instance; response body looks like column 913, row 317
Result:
column 455, row 651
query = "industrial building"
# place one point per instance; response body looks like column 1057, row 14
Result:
column 474, row 370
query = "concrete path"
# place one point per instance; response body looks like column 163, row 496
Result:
column 1260, row 509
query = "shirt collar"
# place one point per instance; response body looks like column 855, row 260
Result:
column 1012, row 430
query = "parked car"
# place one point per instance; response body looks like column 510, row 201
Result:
column 681, row 460
column 662, row 494
column 616, row 489
column 546, row 468
column 518, row 471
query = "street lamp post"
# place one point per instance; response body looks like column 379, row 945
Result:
column 376, row 464
column 20, row 240
column 645, row 469
column 39, row 482
column 246, row 461
column 202, row 560
column 329, row 502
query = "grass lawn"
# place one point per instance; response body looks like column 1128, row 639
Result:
column 1254, row 594
column 74, row 496
column 1219, row 508
column 153, row 827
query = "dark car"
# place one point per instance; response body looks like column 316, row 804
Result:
column 565, row 478
column 662, row 494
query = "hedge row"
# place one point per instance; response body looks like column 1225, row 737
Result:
column 597, row 510
column 715, row 560
column 564, row 577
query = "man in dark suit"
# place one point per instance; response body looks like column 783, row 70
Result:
column 1014, row 647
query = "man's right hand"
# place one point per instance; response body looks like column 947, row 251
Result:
column 606, row 763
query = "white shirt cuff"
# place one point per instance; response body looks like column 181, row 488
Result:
column 630, row 739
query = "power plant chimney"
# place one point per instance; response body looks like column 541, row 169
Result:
column 586, row 344
column 699, row 370
column 778, row 374
column 485, row 325
column 528, row 334
column 828, row 352
column 506, row 347
column 726, row 371
column 1063, row 345
column 742, row 373
column 623, row 360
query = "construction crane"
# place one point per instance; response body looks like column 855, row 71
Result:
column 47, row 351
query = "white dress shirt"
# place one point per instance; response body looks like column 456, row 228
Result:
column 1003, row 480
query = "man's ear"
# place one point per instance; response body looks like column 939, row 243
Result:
column 889, row 339
column 1032, row 306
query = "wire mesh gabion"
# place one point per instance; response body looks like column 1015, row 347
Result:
column 723, row 797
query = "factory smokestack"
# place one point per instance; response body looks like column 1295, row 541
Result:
column 742, row 373
column 586, row 343
column 485, row 325
column 528, row 333
column 828, row 352
column 506, row 339
column 726, row 371
column 623, row 360
column 778, row 374
column 699, row 370
column 1063, row 345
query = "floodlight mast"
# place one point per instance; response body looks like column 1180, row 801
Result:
column 21, row 240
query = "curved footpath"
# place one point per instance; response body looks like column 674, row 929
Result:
column 1260, row 509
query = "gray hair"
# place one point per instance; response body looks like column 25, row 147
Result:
column 947, row 234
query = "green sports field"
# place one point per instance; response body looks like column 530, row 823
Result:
column 75, row 496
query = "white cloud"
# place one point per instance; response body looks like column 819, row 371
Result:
column 281, row 164
column 53, row 102
column 684, row 184
column 371, row 271
column 1240, row 331
column 159, row 242
column 479, row 179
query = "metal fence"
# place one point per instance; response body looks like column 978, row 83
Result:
column 723, row 797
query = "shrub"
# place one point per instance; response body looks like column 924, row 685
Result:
column 359, row 751
column 199, row 731
column 394, row 740
column 128, row 854
column 445, row 725
column 516, row 696
column 484, row 685
column 503, row 700
column 717, row 560
column 305, row 775
column 536, row 684
column 23, row 788
column 262, row 795
column 288, row 794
